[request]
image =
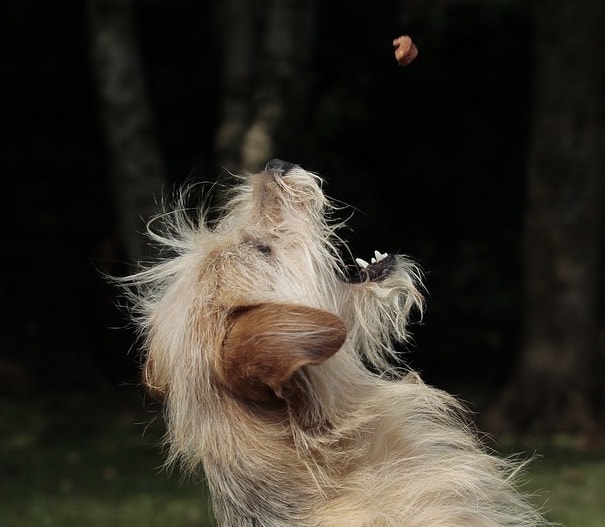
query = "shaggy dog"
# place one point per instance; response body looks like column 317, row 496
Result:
column 265, row 357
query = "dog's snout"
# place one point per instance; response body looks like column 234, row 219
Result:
column 279, row 166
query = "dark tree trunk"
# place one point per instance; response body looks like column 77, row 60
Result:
column 137, row 167
column 554, row 386
column 239, row 34
column 265, row 76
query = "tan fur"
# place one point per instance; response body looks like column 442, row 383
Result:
column 263, row 354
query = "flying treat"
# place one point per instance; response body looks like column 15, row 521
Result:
column 405, row 50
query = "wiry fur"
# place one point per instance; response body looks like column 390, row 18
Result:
column 260, row 347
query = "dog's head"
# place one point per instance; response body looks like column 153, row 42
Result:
column 249, row 304
column 248, row 300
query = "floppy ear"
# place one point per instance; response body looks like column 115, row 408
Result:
column 267, row 343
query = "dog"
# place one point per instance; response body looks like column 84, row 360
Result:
column 278, row 378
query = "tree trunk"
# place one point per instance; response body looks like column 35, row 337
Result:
column 553, row 390
column 137, row 167
column 265, row 75
column 240, row 53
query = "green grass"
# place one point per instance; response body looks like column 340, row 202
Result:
column 570, row 482
column 77, row 461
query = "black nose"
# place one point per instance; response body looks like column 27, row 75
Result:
column 279, row 166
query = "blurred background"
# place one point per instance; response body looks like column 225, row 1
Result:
column 483, row 160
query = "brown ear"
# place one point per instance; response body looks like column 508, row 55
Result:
column 267, row 343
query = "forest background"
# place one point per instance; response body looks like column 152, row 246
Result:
column 483, row 160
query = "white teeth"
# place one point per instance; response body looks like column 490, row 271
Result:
column 380, row 256
column 361, row 263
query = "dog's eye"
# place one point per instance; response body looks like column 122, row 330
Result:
column 263, row 248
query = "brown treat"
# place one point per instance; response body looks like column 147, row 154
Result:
column 405, row 50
